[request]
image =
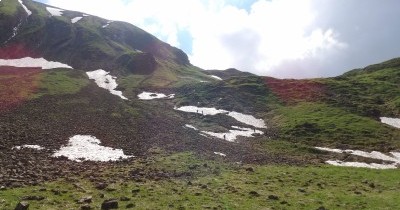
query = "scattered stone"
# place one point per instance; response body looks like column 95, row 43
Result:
column 250, row 169
column 254, row 194
column 283, row 202
column 321, row 208
column 87, row 199
column 130, row 205
column 189, row 183
column 86, row 207
column 109, row 204
column 302, row 190
column 32, row 198
column 101, row 186
column 273, row 197
column 42, row 189
column 372, row 185
column 23, row 205
column 135, row 191
column 124, row 198
column 197, row 194
column 2, row 188
column 357, row 192
column 56, row 192
column 203, row 186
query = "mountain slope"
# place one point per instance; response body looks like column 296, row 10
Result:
column 90, row 43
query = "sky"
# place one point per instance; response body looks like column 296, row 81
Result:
column 279, row 38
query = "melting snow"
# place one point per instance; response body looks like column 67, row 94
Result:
column 220, row 154
column 233, row 134
column 108, row 23
column 191, row 127
column 248, row 119
column 243, row 118
column 201, row 110
column 216, row 77
column 33, row 62
column 151, row 96
column 395, row 122
column 85, row 15
column 74, row 20
column 361, row 165
column 25, row 8
column 83, row 147
column 29, row 146
column 54, row 11
column 106, row 81
column 395, row 157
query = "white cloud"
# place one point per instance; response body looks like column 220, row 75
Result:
column 260, row 40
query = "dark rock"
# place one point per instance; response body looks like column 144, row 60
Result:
column 101, row 186
column 33, row 198
column 283, row 202
column 56, row 192
column 124, row 198
column 302, row 190
column 86, row 207
column 254, row 193
column 2, row 188
column 273, row 197
column 250, row 169
column 23, row 205
column 321, row 208
column 135, row 190
column 109, row 204
column 130, row 205
column 371, row 185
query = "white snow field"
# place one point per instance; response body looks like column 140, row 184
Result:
column 29, row 146
column 25, row 8
column 395, row 122
column 393, row 157
column 150, row 96
column 33, row 62
column 54, row 11
column 84, row 147
column 106, row 81
column 361, row 165
column 76, row 19
column 233, row 134
column 243, row 118
column 220, row 154
column 216, row 77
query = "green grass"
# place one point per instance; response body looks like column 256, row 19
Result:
column 60, row 82
column 320, row 124
column 215, row 184
column 9, row 7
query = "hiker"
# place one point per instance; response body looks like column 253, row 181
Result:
column 224, row 137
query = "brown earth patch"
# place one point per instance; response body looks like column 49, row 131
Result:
column 293, row 91
column 17, row 85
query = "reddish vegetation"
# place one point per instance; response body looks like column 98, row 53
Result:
column 17, row 85
column 291, row 91
column 16, row 50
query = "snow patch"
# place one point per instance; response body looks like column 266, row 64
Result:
column 395, row 122
column 361, row 165
column 248, row 119
column 84, row 147
column 33, row 63
column 201, row 110
column 150, row 96
column 243, row 118
column 216, row 77
column 25, row 8
column 106, row 81
column 76, row 19
column 220, row 154
column 395, row 158
column 373, row 155
column 54, row 11
column 29, row 146
column 233, row 134
column 191, row 127
column 108, row 23
column 85, row 15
